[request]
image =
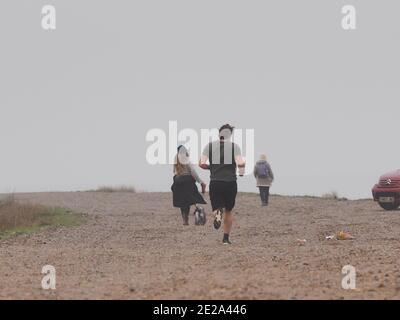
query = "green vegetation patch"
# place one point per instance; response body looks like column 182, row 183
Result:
column 20, row 218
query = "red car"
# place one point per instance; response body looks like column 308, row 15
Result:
column 387, row 191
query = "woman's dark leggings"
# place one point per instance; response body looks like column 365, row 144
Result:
column 185, row 212
column 264, row 195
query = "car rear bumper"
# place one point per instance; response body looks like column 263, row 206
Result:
column 378, row 191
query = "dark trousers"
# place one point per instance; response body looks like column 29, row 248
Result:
column 264, row 195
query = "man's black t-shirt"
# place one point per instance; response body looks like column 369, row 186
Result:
column 222, row 160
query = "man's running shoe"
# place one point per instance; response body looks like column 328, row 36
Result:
column 218, row 219
column 226, row 241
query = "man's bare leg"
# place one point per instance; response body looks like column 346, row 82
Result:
column 228, row 220
column 218, row 218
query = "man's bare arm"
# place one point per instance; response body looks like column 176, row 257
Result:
column 203, row 162
column 240, row 161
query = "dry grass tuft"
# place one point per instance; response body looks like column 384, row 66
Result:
column 116, row 189
column 333, row 196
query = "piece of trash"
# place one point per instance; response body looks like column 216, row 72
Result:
column 330, row 237
column 301, row 242
column 341, row 235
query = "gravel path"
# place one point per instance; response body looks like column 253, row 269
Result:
column 134, row 247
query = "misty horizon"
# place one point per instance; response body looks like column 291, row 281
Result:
column 78, row 102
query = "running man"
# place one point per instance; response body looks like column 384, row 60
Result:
column 224, row 157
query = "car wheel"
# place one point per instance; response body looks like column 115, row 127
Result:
column 390, row 206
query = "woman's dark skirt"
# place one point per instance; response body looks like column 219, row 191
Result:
column 185, row 192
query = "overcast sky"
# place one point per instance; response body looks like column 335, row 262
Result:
column 76, row 103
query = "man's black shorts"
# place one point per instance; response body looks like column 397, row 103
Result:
column 223, row 194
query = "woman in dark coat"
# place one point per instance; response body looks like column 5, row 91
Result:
column 184, row 188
